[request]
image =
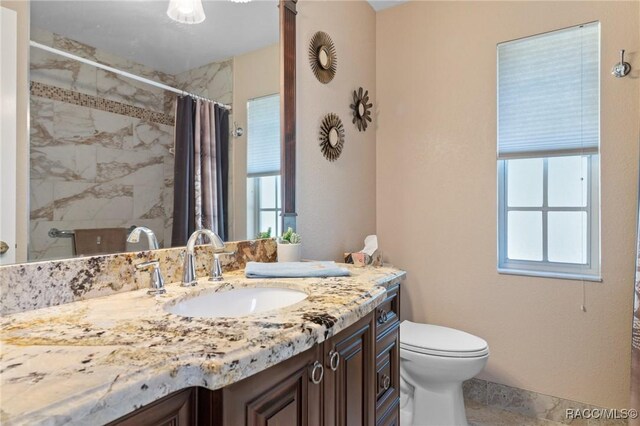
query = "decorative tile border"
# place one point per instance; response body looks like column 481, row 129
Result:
column 28, row 286
column 528, row 403
column 76, row 98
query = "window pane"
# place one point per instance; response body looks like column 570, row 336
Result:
column 567, row 237
column 568, row 181
column 524, row 182
column 268, row 219
column 524, row 235
column 268, row 192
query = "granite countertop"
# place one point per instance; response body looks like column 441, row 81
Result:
column 93, row 361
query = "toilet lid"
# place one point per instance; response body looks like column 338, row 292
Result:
column 440, row 341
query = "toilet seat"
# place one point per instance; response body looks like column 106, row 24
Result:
column 441, row 341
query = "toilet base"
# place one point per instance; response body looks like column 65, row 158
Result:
column 440, row 405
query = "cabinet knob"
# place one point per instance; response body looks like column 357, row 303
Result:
column 317, row 373
column 334, row 360
column 383, row 317
column 4, row 247
column 386, row 382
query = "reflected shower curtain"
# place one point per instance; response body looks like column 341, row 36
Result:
column 201, row 172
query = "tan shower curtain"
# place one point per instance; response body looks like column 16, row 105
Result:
column 206, row 185
column 201, row 169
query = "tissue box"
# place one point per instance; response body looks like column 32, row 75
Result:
column 360, row 259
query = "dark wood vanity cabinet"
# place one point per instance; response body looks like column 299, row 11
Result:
column 349, row 382
column 177, row 409
column 387, row 385
column 289, row 393
column 352, row 378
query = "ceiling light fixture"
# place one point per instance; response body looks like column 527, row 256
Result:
column 186, row 11
column 240, row 1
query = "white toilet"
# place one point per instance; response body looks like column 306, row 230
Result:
column 434, row 361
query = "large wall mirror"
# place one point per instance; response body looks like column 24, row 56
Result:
column 110, row 114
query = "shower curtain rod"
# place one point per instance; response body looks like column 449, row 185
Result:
column 123, row 73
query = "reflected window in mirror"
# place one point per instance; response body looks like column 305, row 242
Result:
column 263, row 165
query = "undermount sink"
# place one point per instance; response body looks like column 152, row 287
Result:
column 238, row 302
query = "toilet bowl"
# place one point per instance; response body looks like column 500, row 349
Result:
column 434, row 361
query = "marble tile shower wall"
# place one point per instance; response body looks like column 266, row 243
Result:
column 92, row 168
column 213, row 81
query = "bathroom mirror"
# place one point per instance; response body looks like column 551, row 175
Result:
column 103, row 119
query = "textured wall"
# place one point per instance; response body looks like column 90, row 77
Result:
column 436, row 193
column 335, row 200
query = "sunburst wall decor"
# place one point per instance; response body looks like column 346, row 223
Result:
column 361, row 109
column 322, row 57
column 331, row 136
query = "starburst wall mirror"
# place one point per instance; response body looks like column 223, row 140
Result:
column 322, row 57
column 361, row 109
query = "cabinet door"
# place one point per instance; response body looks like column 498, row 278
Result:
column 387, row 371
column 283, row 395
column 177, row 409
column 349, row 389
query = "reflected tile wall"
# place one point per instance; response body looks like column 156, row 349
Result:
column 95, row 164
column 100, row 142
column 213, row 81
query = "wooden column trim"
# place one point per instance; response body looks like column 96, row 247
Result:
column 288, row 110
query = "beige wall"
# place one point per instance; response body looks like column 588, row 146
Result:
column 255, row 74
column 22, row 151
column 335, row 200
column 436, row 193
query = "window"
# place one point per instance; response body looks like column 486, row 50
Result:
column 263, row 165
column 548, row 154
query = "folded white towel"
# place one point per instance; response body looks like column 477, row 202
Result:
column 294, row 270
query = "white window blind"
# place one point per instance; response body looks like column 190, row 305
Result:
column 263, row 136
column 549, row 94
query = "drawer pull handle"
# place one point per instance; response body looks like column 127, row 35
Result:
column 317, row 373
column 334, row 360
column 384, row 316
column 386, row 382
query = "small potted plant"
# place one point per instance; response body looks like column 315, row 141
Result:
column 289, row 247
column 264, row 234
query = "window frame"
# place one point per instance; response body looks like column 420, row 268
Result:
column 544, row 268
column 256, row 200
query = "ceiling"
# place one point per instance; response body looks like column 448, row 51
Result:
column 385, row 4
column 142, row 32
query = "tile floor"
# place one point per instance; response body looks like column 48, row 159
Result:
column 482, row 415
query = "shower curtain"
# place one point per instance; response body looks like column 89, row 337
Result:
column 201, row 171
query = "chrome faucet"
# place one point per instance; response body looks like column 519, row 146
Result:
column 189, row 269
column 134, row 237
column 157, row 281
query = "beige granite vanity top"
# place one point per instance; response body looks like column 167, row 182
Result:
column 92, row 361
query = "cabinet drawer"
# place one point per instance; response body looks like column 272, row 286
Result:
column 391, row 417
column 387, row 370
column 388, row 313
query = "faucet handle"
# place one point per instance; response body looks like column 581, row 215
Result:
column 157, row 280
column 216, row 268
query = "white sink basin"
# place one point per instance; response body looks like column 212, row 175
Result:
column 238, row 302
